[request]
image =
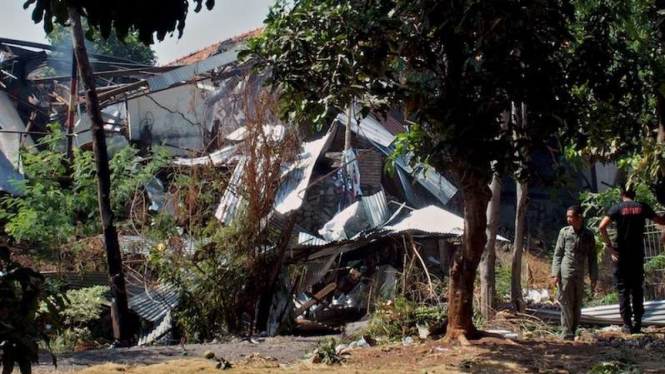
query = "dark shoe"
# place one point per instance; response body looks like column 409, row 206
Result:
column 627, row 329
column 567, row 337
column 637, row 328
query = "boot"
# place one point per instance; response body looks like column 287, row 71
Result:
column 637, row 327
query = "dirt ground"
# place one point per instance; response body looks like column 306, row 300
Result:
column 284, row 355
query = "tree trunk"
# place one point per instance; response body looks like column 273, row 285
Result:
column 516, row 268
column 119, row 309
column 463, row 273
column 488, row 298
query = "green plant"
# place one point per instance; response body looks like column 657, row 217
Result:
column 503, row 282
column 609, row 299
column 326, row 353
column 85, row 306
column 393, row 320
column 58, row 203
column 615, row 367
column 24, row 324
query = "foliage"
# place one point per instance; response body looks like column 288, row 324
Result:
column 122, row 16
column 59, row 201
column 85, row 306
column 49, row 214
column 503, row 282
column 24, row 323
column 615, row 367
column 131, row 48
column 609, row 299
column 389, row 53
column 654, row 266
column 326, row 353
column 395, row 319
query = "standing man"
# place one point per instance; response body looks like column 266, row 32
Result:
column 628, row 255
column 575, row 248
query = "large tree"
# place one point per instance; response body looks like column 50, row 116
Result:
column 452, row 66
column 147, row 18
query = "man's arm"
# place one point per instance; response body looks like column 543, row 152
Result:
column 604, row 224
column 557, row 258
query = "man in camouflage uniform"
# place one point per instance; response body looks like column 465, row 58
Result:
column 575, row 249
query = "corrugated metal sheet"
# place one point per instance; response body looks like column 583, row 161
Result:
column 291, row 193
column 429, row 178
column 275, row 132
column 220, row 157
column 305, row 239
column 162, row 327
column 376, row 208
column 654, row 314
column 153, row 304
column 231, row 199
column 430, row 220
column 10, row 163
column 370, row 129
column 189, row 72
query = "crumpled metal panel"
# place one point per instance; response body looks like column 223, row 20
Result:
column 231, row 199
column 220, row 157
column 376, row 208
column 189, row 72
column 153, row 304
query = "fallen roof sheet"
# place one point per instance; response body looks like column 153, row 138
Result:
column 377, row 133
column 153, row 304
column 220, row 157
column 654, row 314
column 430, row 220
column 232, row 198
column 376, row 208
column 276, row 132
column 162, row 327
column 291, row 193
column 370, row 129
column 189, row 72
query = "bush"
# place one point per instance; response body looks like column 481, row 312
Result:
column 86, row 306
column 394, row 320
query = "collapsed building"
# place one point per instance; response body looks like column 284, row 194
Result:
column 356, row 225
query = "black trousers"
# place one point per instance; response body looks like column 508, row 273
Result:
column 629, row 281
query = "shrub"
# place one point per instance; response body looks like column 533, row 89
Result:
column 394, row 320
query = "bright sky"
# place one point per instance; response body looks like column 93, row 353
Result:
column 227, row 18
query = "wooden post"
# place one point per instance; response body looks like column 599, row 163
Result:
column 119, row 308
column 71, row 113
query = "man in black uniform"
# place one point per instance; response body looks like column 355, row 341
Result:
column 628, row 255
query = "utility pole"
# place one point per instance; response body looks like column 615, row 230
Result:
column 71, row 113
column 119, row 308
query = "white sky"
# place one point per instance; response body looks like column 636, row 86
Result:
column 226, row 19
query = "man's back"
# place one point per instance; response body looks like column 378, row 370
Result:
column 630, row 217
